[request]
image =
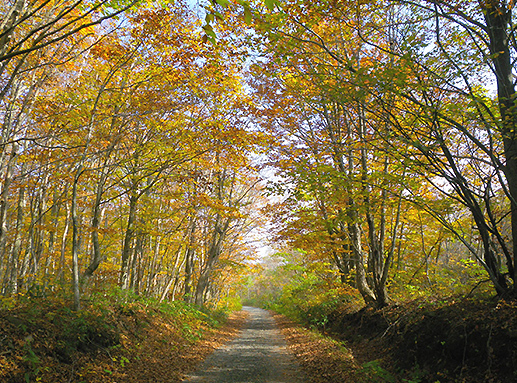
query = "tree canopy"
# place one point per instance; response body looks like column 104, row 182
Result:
column 143, row 143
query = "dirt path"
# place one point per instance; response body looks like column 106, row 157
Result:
column 258, row 355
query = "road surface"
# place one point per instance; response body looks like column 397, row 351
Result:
column 258, row 355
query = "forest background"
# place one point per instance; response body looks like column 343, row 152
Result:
column 149, row 147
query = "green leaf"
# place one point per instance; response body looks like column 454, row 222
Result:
column 223, row 3
column 247, row 15
column 209, row 18
column 270, row 4
column 209, row 30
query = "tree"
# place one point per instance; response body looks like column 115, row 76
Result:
column 420, row 78
column 479, row 131
column 340, row 145
column 109, row 146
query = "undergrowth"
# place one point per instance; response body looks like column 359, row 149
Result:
column 465, row 336
column 43, row 339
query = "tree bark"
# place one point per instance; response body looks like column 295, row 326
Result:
column 216, row 243
column 4, row 200
column 128, row 238
column 75, row 243
column 359, row 258
column 96, row 221
column 62, row 258
column 498, row 19
column 11, row 283
column 189, row 261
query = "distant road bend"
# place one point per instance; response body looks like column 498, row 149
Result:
column 258, row 355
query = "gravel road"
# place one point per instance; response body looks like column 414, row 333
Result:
column 258, row 355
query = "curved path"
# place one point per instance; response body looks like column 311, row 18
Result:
column 258, row 355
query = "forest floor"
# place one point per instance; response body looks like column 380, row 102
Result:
column 432, row 340
column 45, row 341
column 450, row 340
column 425, row 340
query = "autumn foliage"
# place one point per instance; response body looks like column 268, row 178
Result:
column 125, row 156
column 144, row 143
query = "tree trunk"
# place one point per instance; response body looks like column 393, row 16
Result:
column 152, row 269
column 96, row 221
column 138, row 257
column 11, row 284
column 75, row 243
column 214, row 252
column 360, row 273
column 189, row 262
column 62, row 258
column 4, row 200
column 54, row 213
column 498, row 19
column 38, row 229
column 128, row 238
